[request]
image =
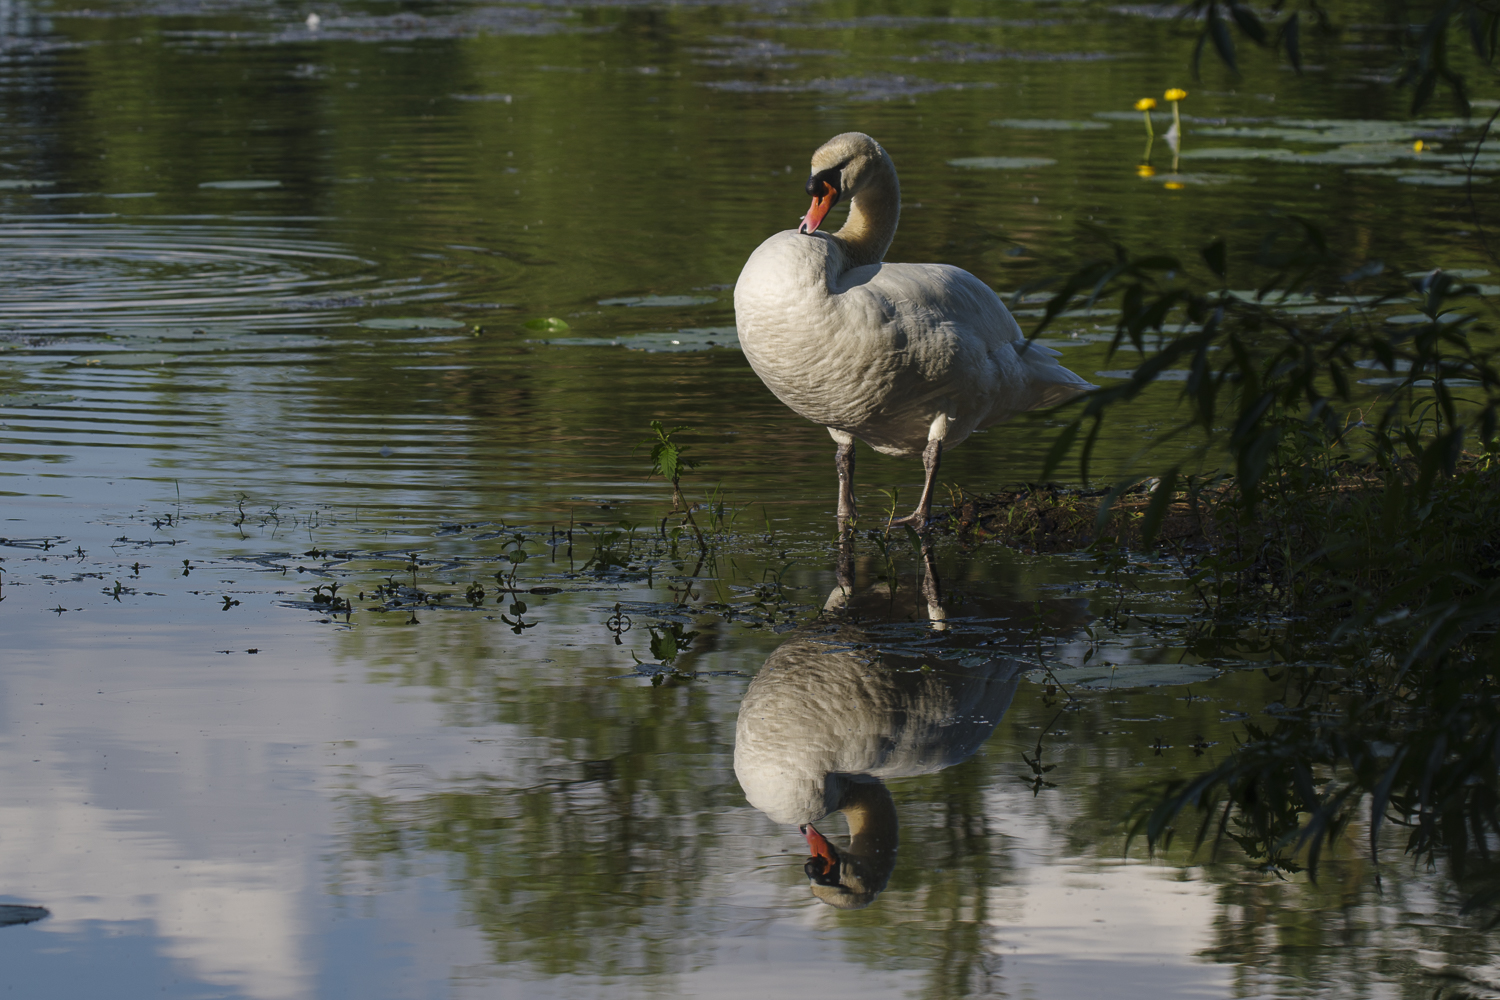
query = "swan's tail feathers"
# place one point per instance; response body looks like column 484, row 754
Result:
column 1051, row 382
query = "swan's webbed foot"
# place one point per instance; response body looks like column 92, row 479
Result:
column 932, row 457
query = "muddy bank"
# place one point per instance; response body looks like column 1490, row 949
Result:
column 1052, row 518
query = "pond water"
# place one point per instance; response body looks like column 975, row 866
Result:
column 344, row 653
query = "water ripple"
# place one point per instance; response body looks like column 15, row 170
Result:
column 79, row 277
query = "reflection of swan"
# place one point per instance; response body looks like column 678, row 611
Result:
column 822, row 724
column 909, row 358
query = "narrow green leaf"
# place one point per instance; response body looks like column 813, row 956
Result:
column 1218, row 33
column 1249, row 23
column 1291, row 34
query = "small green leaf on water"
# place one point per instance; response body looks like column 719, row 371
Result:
column 24, row 185
column 547, row 324
column 411, row 323
column 240, row 185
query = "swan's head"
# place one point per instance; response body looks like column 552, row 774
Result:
column 843, row 879
column 841, row 168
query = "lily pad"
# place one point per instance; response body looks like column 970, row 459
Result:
column 1048, row 124
column 546, row 324
column 240, row 185
column 1273, row 300
column 1416, row 319
column 19, row 185
column 1237, row 153
column 1205, row 180
column 34, row 398
column 1323, row 309
column 1002, row 162
column 1112, row 677
column 411, row 323
column 659, row 301
column 1421, row 383
column 1441, row 180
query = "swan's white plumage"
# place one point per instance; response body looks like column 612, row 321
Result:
column 818, row 718
column 881, row 351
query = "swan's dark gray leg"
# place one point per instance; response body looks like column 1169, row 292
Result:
column 932, row 588
column 843, row 461
column 932, row 457
column 838, row 600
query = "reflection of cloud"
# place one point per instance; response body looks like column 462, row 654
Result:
column 233, row 921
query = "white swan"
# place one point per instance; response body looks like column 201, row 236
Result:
column 822, row 724
column 909, row 358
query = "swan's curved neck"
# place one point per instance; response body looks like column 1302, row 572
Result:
column 873, row 215
column 873, row 826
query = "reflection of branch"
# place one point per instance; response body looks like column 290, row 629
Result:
column 1036, row 765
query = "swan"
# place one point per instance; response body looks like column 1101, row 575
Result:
column 908, row 358
column 823, row 725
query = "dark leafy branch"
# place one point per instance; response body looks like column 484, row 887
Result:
column 1365, row 524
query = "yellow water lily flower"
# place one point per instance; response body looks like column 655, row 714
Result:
column 1174, row 185
column 1417, row 146
column 1144, row 106
column 1145, row 170
column 1175, row 94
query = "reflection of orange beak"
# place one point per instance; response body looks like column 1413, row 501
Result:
column 819, row 846
column 814, row 218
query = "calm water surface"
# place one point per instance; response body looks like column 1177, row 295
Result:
column 385, row 302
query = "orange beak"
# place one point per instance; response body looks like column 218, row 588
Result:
column 821, row 205
column 820, row 847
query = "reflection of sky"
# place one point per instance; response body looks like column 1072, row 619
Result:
column 177, row 810
column 182, row 811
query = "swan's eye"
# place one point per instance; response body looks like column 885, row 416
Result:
column 824, row 182
column 822, row 871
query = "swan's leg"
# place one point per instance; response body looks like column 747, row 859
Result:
column 838, row 600
column 843, row 461
column 932, row 457
column 932, row 588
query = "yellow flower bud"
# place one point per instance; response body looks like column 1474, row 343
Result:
column 1175, row 94
column 1145, row 170
column 1174, row 185
column 1417, row 146
column 1145, row 104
